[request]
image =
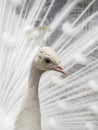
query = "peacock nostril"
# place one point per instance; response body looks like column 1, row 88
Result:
column 61, row 70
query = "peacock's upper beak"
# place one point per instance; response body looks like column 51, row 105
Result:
column 60, row 69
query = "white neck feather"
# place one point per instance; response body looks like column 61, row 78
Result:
column 29, row 117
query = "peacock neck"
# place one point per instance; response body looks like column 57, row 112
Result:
column 29, row 117
column 34, row 78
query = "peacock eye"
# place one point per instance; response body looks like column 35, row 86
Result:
column 47, row 60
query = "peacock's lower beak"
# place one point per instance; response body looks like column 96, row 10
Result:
column 60, row 69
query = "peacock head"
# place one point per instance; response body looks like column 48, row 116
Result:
column 47, row 59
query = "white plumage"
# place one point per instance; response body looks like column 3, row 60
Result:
column 66, row 103
column 29, row 116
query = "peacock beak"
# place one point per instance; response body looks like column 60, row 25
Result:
column 61, row 70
